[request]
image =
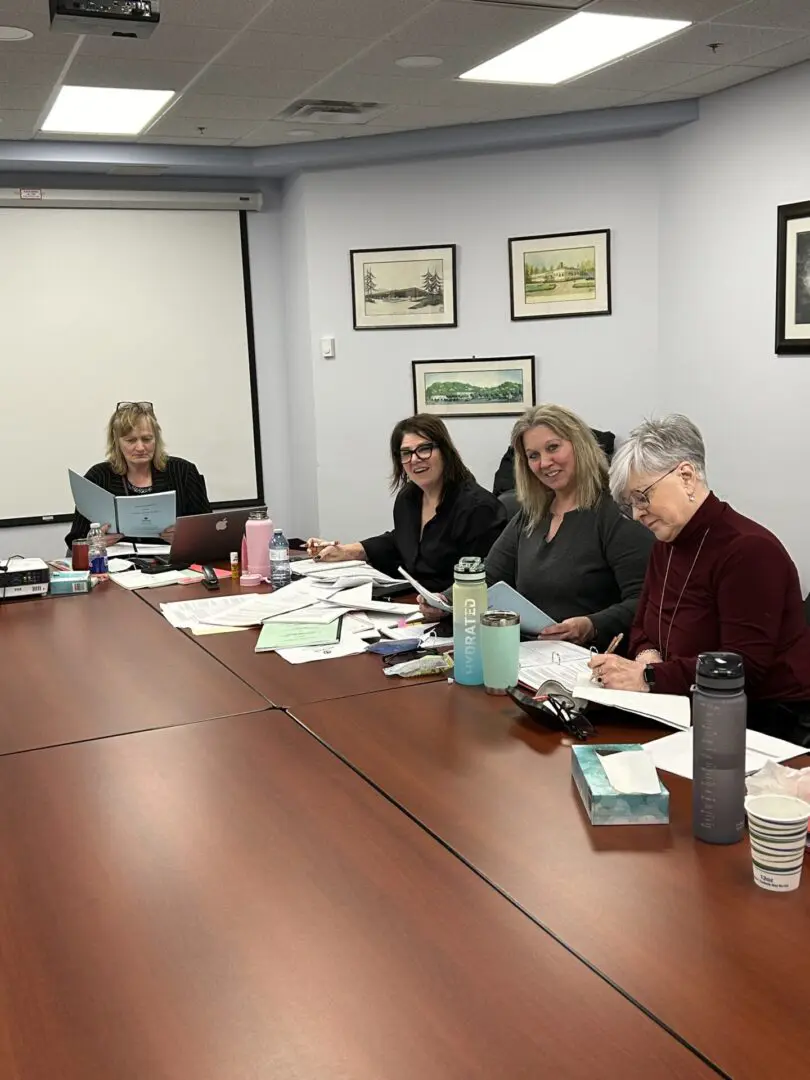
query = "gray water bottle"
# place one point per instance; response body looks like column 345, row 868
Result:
column 718, row 723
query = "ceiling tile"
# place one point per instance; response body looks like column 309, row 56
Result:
column 451, row 22
column 130, row 74
column 448, row 92
column 187, row 44
column 18, row 123
column 794, row 53
column 34, row 18
column 254, row 81
column 221, row 14
column 171, row 140
column 224, row 107
column 380, row 59
column 188, row 127
column 365, row 20
column 693, row 10
column 737, row 43
column 22, row 96
column 291, row 51
column 30, row 67
column 639, row 74
column 790, row 14
column 719, row 79
column 277, row 132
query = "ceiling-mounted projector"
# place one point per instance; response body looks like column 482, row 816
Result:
column 106, row 18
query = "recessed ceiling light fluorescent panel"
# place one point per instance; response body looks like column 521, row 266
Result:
column 574, row 47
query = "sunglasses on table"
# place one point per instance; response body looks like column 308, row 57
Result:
column 421, row 452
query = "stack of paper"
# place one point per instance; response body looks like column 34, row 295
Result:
column 136, row 579
column 674, row 752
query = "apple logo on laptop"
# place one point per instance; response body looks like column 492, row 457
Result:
column 221, row 525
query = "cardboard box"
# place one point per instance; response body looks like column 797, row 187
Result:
column 605, row 805
column 70, row 582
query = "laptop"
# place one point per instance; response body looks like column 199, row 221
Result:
column 208, row 538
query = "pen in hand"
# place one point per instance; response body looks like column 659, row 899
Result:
column 612, row 647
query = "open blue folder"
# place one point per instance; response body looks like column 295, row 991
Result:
column 130, row 515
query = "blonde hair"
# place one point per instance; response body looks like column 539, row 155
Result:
column 589, row 457
column 122, row 422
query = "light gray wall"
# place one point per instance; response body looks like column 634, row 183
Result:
column 722, row 180
column 605, row 368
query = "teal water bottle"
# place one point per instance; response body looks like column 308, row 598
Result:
column 469, row 604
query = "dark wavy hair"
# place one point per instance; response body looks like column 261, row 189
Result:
column 431, row 429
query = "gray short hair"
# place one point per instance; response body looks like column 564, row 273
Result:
column 656, row 446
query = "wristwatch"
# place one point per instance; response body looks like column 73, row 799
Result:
column 649, row 675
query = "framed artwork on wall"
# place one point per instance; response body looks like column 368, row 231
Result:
column 793, row 280
column 478, row 386
column 405, row 288
column 560, row 275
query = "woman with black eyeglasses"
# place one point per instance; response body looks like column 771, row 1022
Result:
column 137, row 464
column 717, row 582
column 440, row 512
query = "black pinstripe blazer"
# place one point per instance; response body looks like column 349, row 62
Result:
column 180, row 476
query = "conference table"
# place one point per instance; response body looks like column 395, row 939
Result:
column 384, row 879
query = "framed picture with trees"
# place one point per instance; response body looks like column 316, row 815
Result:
column 560, row 275
column 474, row 386
column 406, row 288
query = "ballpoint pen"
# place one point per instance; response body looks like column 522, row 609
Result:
column 612, row 647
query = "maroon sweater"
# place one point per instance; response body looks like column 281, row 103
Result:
column 743, row 596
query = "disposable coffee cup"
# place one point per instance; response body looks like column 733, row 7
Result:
column 777, row 830
column 500, row 650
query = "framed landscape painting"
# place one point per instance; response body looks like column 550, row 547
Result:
column 560, row 275
column 793, row 280
column 404, row 288
column 491, row 386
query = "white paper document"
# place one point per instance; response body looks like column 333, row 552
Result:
column 429, row 597
column 673, row 753
column 305, row 567
column 674, row 710
column 189, row 614
column 136, row 579
column 350, row 644
column 124, row 549
column 359, row 599
column 132, row 515
column 542, row 661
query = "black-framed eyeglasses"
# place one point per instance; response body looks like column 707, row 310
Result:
column 640, row 500
column 147, row 406
column 422, row 452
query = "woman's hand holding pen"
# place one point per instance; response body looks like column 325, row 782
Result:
column 616, row 672
column 334, row 551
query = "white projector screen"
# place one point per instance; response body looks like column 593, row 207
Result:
column 102, row 306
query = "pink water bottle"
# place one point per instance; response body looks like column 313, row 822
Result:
column 258, row 534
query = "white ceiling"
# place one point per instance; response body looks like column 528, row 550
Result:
column 236, row 64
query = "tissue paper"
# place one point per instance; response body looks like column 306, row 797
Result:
column 631, row 773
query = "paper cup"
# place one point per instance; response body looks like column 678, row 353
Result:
column 777, row 830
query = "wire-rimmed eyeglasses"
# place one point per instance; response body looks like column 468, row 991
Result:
column 640, row 500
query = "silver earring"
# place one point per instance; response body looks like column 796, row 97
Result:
column 692, row 497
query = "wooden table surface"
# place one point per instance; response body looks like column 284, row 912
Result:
column 228, row 900
column 285, row 685
column 85, row 667
column 677, row 924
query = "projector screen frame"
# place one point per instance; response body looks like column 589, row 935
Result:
column 50, row 519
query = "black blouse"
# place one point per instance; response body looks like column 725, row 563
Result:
column 180, row 476
column 468, row 520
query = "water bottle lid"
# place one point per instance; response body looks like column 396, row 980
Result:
column 470, row 568
column 500, row 618
column 277, row 532
column 95, row 525
column 259, row 513
column 720, row 671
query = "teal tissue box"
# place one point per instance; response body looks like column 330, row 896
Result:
column 70, row 582
column 605, row 805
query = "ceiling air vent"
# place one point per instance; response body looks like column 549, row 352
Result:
column 332, row 112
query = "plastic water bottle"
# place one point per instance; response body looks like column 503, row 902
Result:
column 97, row 551
column 718, row 721
column 469, row 603
column 258, row 534
column 279, row 560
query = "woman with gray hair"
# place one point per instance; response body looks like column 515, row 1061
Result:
column 716, row 581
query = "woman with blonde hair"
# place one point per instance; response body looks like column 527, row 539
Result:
column 569, row 549
column 137, row 464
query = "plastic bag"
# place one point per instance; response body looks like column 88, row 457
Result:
column 424, row 665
